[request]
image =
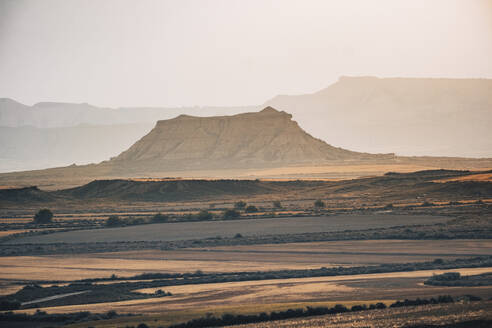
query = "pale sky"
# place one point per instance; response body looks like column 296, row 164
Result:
column 181, row 53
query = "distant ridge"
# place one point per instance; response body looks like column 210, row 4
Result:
column 408, row 116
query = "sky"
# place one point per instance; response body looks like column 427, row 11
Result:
column 226, row 53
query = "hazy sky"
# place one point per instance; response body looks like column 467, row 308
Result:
column 174, row 53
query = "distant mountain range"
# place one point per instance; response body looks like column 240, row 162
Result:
column 54, row 115
column 407, row 116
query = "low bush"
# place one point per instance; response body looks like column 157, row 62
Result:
column 231, row 214
column 240, row 205
column 160, row 218
column 319, row 204
column 114, row 221
column 251, row 209
column 204, row 215
column 43, row 216
column 238, row 319
column 9, row 305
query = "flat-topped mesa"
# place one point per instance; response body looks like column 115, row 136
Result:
column 249, row 140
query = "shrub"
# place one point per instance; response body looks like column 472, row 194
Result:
column 136, row 221
column 160, row 218
column 447, row 276
column 239, row 205
column 238, row 235
column 319, row 204
column 277, row 204
column 159, row 292
column 204, row 215
column 111, row 314
column 114, row 221
column 231, row 214
column 389, row 207
column 9, row 305
column 251, row 209
column 43, row 216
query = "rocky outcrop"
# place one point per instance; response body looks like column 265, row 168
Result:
column 265, row 138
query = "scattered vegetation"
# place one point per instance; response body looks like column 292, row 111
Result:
column 239, row 205
column 231, row 214
column 59, row 318
column 474, row 227
column 81, row 292
column 6, row 305
column 204, row 215
column 455, row 279
column 43, row 216
column 318, row 204
column 238, row 319
column 160, row 218
column 251, row 209
column 114, row 221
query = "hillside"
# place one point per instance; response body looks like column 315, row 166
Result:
column 250, row 140
column 408, row 116
column 404, row 187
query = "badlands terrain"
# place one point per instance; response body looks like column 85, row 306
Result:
column 248, row 220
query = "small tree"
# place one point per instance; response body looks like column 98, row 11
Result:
column 204, row 215
column 239, row 205
column 160, row 218
column 114, row 221
column 318, row 204
column 277, row 204
column 43, row 216
column 231, row 214
column 251, row 209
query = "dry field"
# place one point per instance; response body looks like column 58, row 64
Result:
column 249, row 227
column 50, row 181
column 62, row 178
column 390, row 318
column 484, row 177
column 66, row 267
column 166, row 317
column 237, row 258
column 342, row 288
column 191, row 301
column 335, row 171
column 268, row 295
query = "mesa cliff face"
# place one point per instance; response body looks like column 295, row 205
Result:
column 248, row 140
